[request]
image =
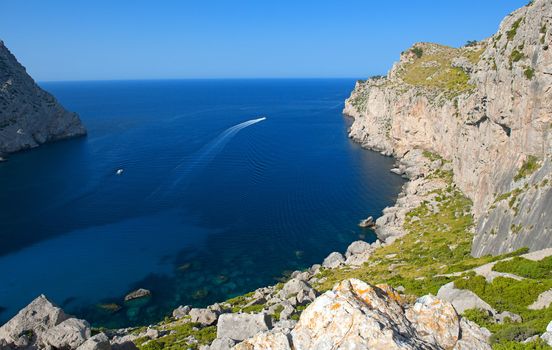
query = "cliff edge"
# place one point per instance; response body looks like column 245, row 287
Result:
column 29, row 116
column 486, row 107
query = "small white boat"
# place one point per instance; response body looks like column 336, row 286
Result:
column 119, row 171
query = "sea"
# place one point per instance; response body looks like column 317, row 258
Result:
column 197, row 190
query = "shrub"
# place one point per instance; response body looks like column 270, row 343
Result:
column 513, row 30
column 530, row 165
column 479, row 316
column 471, row 43
column 526, row 268
column 514, row 333
column 418, row 51
column 516, row 56
column 539, row 344
column 529, row 73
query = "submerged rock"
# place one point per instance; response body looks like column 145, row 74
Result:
column 139, row 293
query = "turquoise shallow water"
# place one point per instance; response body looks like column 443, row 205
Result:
column 212, row 202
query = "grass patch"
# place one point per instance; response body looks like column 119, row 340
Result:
column 434, row 69
column 529, row 73
column 510, row 34
column 516, row 56
column 179, row 338
column 528, row 167
column 526, row 268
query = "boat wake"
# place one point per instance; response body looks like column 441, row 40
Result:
column 181, row 174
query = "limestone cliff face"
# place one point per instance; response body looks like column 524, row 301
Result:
column 29, row 116
column 486, row 107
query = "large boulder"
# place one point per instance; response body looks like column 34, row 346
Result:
column 97, row 342
column 239, row 327
column 181, row 311
column 266, row 341
column 333, row 260
column 462, row 299
column 29, row 325
column 299, row 291
column 356, row 315
column 205, row 317
column 69, row 334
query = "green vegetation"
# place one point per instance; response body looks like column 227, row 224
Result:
column 529, row 73
column 526, row 268
column 511, row 345
column 516, row 56
column 513, row 30
column 179, row 339
column 530, row 165
column 438, row 242
column 515, row 228
column 418, row 51
column 507, row 294
column 434, row 70
column 471, row 43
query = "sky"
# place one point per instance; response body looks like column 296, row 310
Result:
column 188, row 39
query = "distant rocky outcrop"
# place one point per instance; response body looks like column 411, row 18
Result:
column 29, row 116
column 486, row 107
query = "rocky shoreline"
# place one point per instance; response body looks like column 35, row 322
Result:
column 475, row 168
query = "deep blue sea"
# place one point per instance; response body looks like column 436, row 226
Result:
column 213, row 201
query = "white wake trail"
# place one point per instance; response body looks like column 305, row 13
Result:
column 181, row 173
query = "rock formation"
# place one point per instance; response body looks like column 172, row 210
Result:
column 486, row 107
column 356, row 315
column 29, row 116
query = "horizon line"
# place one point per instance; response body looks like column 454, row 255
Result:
column 206, row 78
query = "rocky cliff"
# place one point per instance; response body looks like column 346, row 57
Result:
column 486, row 107
column 29, row 116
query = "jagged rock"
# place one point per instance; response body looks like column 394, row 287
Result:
column 361, row 316
column 205, row 317
column 69, row 334
column 97, row 342
column 29, row 115
column 266, row 341
column 222, row 344
column 333, row 260
column 295, row 286
column 462, row 299
column 357, row 248
column 29, row 325
column 367, row 223
column 181, row 311
column 239, row 327
column 543, row 301
column 139, row 293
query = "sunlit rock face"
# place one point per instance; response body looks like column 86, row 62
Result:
column 488, row 109
column 29, row 116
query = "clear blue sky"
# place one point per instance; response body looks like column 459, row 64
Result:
column 138, row 39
